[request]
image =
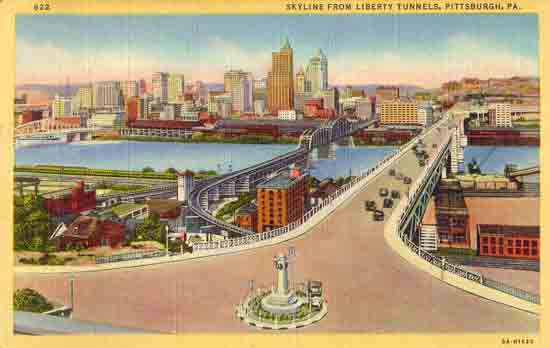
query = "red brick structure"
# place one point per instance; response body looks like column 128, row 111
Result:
column 521, row 242
column 91, row 232
column 72, row 201
column 281, row 199
column 247, row 217
column 30, row 115
column 312, row 106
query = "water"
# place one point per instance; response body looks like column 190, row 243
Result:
column 135, row 155
column 493, row 159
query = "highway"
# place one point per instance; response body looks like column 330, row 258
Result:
column 369, row 288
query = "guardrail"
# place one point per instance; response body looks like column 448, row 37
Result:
column 318, row 212
column 440, row 262
column 129, row 256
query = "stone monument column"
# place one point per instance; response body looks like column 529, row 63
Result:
column 281, row 264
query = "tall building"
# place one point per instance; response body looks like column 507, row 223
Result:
column 500, row 115
column 185, row 185
column 107, row 94
column 317, row 74
column 142, row 87
column 160, row 87
column 280, row 80
column 281, row 199
column 84, row 97
column 425, row 114
column 300, row 81
column 135, row 109
column 130, row 88
column 61, row 106
column 212, row 103
column 399, row 111
column 331, row 98
column 239, row 85
column 175, row 87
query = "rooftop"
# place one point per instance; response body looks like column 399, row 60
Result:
column 126, row 208
column 162, row 206
column 282, row 180
column 247, row 209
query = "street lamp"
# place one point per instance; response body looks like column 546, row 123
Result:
column 166, row 228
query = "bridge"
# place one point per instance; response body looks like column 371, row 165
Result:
column 51, row 126
column 518, row 173
column 370, row 288
column 245, row 180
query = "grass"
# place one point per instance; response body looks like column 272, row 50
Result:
column 455, row 252
column 125, row 208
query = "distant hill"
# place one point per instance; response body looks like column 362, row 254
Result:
column 403, row 89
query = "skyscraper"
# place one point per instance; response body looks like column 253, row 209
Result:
column 300, row 81
column 129, row 89
column 175, row 87
column 107, row 94
column 317, row 74
column 281, row 84
column 61, row 106
column 84, row 97
column 160, row 87
column 239, row 85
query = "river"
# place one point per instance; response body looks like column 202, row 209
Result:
column 135, row 155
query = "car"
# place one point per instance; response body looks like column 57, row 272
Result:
column 395, row 194
column 392, row 172
column 378, row 215
column 407, row 180
column 434, row 146
column 383, row 192
column 388, row 203
column 422, row 163
column 370, row 205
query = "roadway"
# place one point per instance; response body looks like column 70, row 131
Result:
column 369, row 288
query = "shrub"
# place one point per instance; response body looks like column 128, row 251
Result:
column 29, row 300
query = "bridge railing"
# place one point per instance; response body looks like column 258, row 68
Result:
column 438, row 261
column 315, row 214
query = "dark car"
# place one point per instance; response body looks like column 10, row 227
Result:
column 383, row 192
column 392, row 172
column 388, row 203
column 434, row 146
column 395, row 194
column 422, row 163
column 407, row 180
column 378, row 215
column 370, row 205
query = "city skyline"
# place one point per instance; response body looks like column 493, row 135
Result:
column 391, row 50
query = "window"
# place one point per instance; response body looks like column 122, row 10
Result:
column 518, row 243
column 500, row 241
column 484, row 240
column 510, row 251
column 510, row 243
column 501, row 251
column 534, row 252
column 525, row 243
column 493, row 250
column 525, row 251
column 493, row 240
column 485, row 249
column 518, row 251
column 534, row 243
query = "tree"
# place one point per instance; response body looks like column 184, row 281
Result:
column 32, row 225
column 148, row 170
column 29, row 300
column 473, row 167
column 151, row 229
column 171, row 171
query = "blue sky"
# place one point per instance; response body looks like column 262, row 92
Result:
column 361, row 49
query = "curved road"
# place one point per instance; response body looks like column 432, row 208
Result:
column 369, row 287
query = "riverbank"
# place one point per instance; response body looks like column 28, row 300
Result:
column 108, row 173
column 202, row 138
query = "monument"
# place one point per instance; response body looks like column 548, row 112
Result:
column 281, row 306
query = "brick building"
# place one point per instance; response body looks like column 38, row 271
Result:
column 71, row 201
column 91, row 232
column 247, row 217
column 521, row 242
column 281, row 199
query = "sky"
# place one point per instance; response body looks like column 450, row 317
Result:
column 423, row 50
